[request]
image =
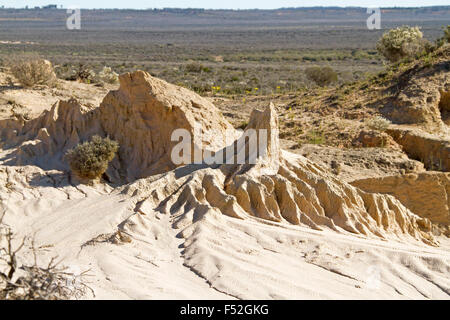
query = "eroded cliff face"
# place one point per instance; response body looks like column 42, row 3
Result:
column 426, row 194
column 432, row 150
column 420, row 94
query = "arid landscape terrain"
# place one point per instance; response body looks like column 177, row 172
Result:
column 350, row 199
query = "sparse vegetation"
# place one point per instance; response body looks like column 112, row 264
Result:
column 447, row 34
column 32, row 71
column 84, row 74
column 400, row 43
column 378, row 123
column 322, row 76
column 107, row 75
column 316, row 137
column 258, row 72
column 89, row 160
column 196, row 67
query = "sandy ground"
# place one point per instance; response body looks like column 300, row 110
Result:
column 15, row 100
column 218, row 257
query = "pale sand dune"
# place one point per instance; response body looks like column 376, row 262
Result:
column 81, row 231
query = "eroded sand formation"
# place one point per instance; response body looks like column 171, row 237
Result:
column 151, row 203
column 426, row 193
column 281, row 187
column 141, row 116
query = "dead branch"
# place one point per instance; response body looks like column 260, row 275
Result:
column 35, row 282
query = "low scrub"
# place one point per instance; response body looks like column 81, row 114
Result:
column 322, row 76
column 378, row 124
column 32, row 71
column 89, row 160
column 84, row 74
column 400, row 43
column 107, row 75
column 196, row 67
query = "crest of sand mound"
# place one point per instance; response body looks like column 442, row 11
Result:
column 141, row 116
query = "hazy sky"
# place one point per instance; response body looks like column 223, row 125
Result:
column 228, row 4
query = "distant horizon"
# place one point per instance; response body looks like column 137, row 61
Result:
column 231, row 4
column 219, row 9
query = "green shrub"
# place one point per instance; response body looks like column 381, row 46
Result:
column 194, row 67
column 447, row 34
column 31, row 71
column 400, row 43
column 90, row 159
column 322, row 76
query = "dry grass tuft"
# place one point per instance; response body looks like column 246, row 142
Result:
column 32, row 71
column 34, row 282
column 378, row 123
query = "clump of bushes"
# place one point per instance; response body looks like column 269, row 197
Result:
column 196, row 67
column 81, row 74
column 400, row 43
column 32, row 71
column 322, row 76
column 107, row 75
column 444, row 39
column 378, row 124
column 89, row 160
column 84, row 74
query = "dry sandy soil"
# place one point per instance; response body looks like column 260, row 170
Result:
column 312, row 222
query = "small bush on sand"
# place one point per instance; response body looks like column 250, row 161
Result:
column 31, row 71
column 400, row 43
column 322, row 76
column 107, row 75
column 89, row 160
column 378, row 124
